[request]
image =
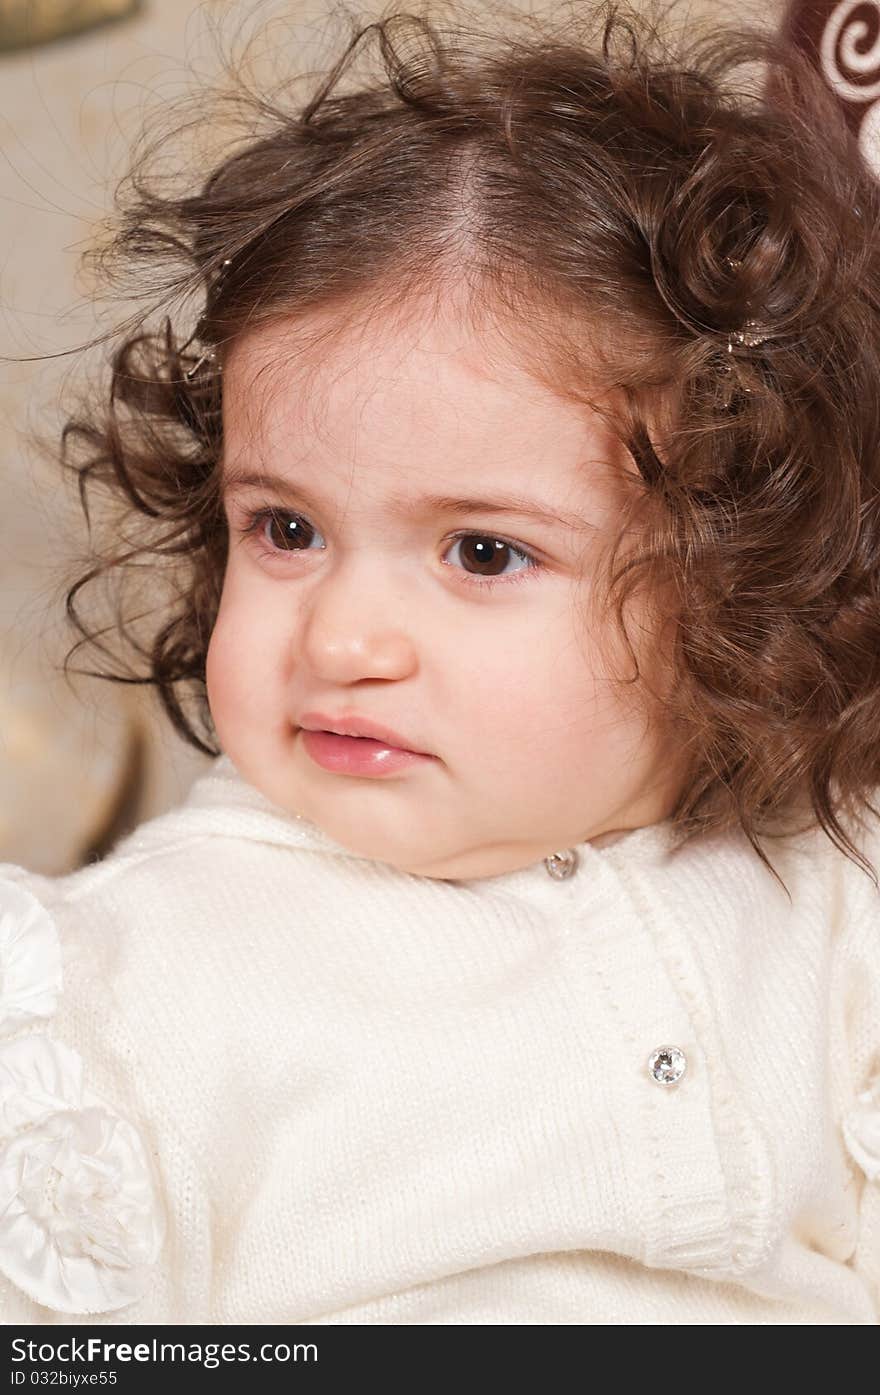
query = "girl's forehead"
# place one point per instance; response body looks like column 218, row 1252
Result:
column 425, row 382
column 320, row 349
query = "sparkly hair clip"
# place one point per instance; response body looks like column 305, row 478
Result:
column 751, row 334
column 206, row 356
column 209, row 353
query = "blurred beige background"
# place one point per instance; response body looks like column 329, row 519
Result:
column 82, row 762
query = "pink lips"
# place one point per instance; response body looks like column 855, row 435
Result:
column 369, row 749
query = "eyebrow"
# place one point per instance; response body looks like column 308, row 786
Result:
column 405, row 507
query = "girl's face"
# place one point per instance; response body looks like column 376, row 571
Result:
column 464, row 627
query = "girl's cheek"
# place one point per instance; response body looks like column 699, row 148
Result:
column 218, row 667
column 211, row 676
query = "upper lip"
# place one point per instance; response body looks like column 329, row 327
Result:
column 350, row 724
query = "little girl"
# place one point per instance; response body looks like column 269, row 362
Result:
column 506, row 455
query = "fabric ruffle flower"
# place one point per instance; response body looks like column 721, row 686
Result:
column 30, row 960
column 861, row 1130
column 80, row 1223
column 79, row 1227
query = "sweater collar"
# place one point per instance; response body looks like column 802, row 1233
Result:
column 222, row 801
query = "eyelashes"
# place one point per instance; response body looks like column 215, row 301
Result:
column 252, row 529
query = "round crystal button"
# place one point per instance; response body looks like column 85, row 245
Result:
column 667, row 1065
column 562, row 864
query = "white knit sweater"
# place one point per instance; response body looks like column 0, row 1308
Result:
column 251, row 1077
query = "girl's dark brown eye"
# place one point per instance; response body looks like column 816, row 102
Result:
column 287, row 532
column 485, row 558
column 488, row 555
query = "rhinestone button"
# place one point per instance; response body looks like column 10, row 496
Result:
column 667, row 1065
column 562, row 864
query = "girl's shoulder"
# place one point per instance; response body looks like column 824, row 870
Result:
column 218, row 824
column 81, row 1225
column 100, row 969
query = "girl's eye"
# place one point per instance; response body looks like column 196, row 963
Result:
column 287, row 532
column 490, row 555
column 290, row 532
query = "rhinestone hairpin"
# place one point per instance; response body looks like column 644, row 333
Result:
column 209, row 354
column 752, row 335
column 752, row 332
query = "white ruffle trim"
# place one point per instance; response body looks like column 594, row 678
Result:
column 80, row 1223
column 861, row 1130
column 30, row 960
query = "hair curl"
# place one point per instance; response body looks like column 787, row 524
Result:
column 631, row 208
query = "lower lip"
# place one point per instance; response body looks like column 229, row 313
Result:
column 357, row 755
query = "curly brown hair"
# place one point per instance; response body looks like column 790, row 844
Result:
column 679, row 222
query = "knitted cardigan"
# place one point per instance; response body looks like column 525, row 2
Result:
column 248, row 1076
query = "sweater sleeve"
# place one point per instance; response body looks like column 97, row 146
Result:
column 856, row 1056
column 81, row 1225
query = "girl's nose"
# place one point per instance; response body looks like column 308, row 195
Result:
column 356, row 625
